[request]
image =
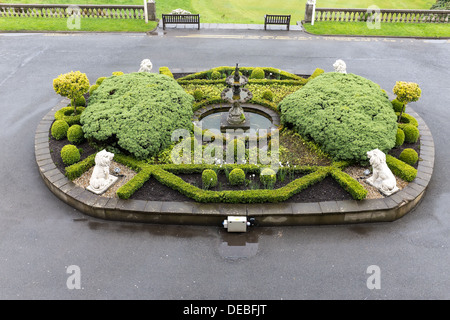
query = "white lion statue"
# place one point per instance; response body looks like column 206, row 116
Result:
column 180, row 11
column 383, row 179
column 340, row 66
column 100, row 176
column 146, row 66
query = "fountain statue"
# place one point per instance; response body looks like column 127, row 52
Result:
column 235, row 119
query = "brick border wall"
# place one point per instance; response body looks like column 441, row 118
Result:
column 269, row 214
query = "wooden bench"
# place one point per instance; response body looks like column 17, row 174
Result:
column 277, row 19
column 181, row 19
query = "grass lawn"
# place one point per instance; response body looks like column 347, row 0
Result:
column 87, row 24
column 432, row 30
column 248, row 11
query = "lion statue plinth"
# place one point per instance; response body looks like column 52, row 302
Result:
column 101, row 180
column 382, row 178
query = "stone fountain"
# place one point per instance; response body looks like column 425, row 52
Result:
column 235, row 119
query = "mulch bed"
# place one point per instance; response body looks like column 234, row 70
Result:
column 326, row 190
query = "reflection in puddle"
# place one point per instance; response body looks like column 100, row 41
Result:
column 238, row 245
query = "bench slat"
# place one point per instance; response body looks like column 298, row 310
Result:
column 181, row 18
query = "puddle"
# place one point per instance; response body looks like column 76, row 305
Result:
column 235, row 246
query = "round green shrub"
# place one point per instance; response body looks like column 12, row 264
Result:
column 216, row 75
column 409, row 156
column 237, row 148
column 209, row 178
column 398, row 106
column 136, row 113
column 70, row 154
column 400, row 138
column 67, row 115
column 59, row 129
column 100, row 80
column 257, row 73
column 346, row 114
column 411, row 132
column 93, row 88
column 268, row 177
column 198, row 94
column 409, row 119
column 79, row 102
column 75, row 134
column 267, row 95
column 236, row 177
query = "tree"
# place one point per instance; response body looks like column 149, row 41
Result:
column 72, row 85
column 406, row 92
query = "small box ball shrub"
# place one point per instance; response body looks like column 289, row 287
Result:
column 136, row 113
column 70, row 154
column 346, row 114
column 209, row 179
column 409, row 156
column 75, row 134
column 59, row 129
column 411, row 132
column 268, row 95
column 79, row 102
column 399, row 138
column 398, row 106
column 166, row 71
column 93, row 88
column 236, row 177
column 401, row 169
column 257, row 73
column 268, row 177
column 100, row 80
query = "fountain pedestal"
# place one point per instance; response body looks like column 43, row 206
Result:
column 235, row 119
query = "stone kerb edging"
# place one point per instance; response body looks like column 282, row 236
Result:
column 267, row 214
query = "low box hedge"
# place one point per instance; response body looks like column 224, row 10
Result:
column 352, row 186
column 401, row 169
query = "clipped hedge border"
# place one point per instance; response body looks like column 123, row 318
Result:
column 71, row 120
column 401, row 169
column 284, row 75
column 76, row 170
column 349, row 184
column 166, row 71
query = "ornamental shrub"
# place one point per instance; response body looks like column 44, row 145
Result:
column 237, row 177
column 411, row 132
column 71, row 85
column 79, row 102
column 93, row 88
column 400, row 138
column 268, row 177
column 75, row 134
column 59, row 129
column 257, row 73
column 70, row 154
column 407, row 118
column 198, row 95
column 100, row 80
column 166, row 71
column 117, row 73
column 406, row 92
column 216, row 75
column 347, row 115
column 137, row 113
column 268, row 95
column 209, row 178
column 409, row 156
column 398, row 106
column 67, row 114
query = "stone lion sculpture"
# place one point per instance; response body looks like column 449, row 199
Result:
column 340, row 66
column 146, row 66
column 383, row 179
column 101, row 178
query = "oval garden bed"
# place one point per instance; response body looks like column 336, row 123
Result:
column 319, row 173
